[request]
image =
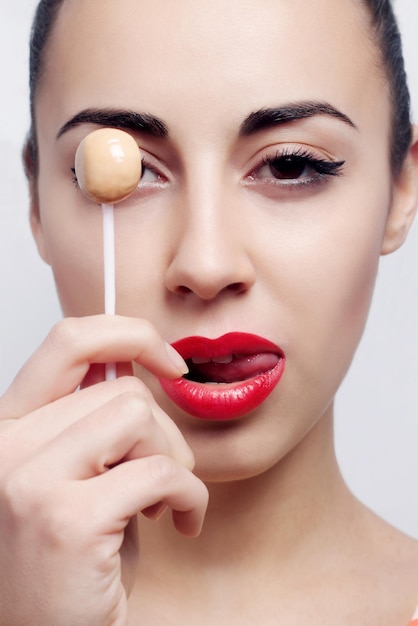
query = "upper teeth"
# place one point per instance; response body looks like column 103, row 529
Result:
column 216, row 359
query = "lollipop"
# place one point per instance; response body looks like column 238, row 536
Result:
column 108, row 169
column 108, row 165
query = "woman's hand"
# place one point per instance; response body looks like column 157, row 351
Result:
column 76, row 468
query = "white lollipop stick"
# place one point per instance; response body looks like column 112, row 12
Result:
column 109, row 272
column 108, row 167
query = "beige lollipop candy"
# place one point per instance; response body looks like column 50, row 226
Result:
column 108, row 165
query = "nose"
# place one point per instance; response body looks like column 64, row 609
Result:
column 211, row 249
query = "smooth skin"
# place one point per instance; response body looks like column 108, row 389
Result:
column 210, row 243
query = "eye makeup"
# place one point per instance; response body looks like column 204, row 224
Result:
column 294, row 168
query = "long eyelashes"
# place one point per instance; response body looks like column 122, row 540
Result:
column 295, row 167
column 74, row 179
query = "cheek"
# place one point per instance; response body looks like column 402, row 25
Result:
column 73, row 240
column 340, row 296
column 328, row 275
column 339, row 300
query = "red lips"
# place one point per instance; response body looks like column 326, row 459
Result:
column 229, row 376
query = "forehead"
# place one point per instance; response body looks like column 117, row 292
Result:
column 156, row 54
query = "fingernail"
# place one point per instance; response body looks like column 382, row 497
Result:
column 175, row 358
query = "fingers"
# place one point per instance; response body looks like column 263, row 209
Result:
column 69, row 531
column 123, row 428
column 121, row 411
column 110, row 465
column 127, row 468
column 63, row 360
column 152, row 480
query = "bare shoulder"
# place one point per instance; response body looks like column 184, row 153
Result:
column 392, row 566
column 394, row 545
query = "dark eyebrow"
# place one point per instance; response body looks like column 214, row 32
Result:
column 115, row 118
column 266, row 118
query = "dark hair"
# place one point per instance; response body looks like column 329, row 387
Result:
column 385, row 34
column 43, row 23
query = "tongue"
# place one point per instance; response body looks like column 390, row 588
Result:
column 241, row 368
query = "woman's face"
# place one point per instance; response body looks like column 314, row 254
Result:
column 266, row 224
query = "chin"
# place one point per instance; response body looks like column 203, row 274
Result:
column 234, row 451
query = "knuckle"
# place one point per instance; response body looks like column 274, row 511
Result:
column 163, row 470
column 134, row 409
column 64, row 333
column 134, row 396
column 133, row 403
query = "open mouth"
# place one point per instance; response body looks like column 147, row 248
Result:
column 231, row 368
column 228, row 377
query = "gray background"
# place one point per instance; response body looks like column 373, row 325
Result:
column 377, row 408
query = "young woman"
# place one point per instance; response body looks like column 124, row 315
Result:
column 279, row 163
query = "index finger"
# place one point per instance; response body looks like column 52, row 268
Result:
column 62, row 361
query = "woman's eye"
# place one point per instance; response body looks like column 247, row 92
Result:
column 149, row 175
column 287, row 168
column 296, row 168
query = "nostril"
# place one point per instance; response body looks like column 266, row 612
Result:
column 236, row 287
column 183, row 291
